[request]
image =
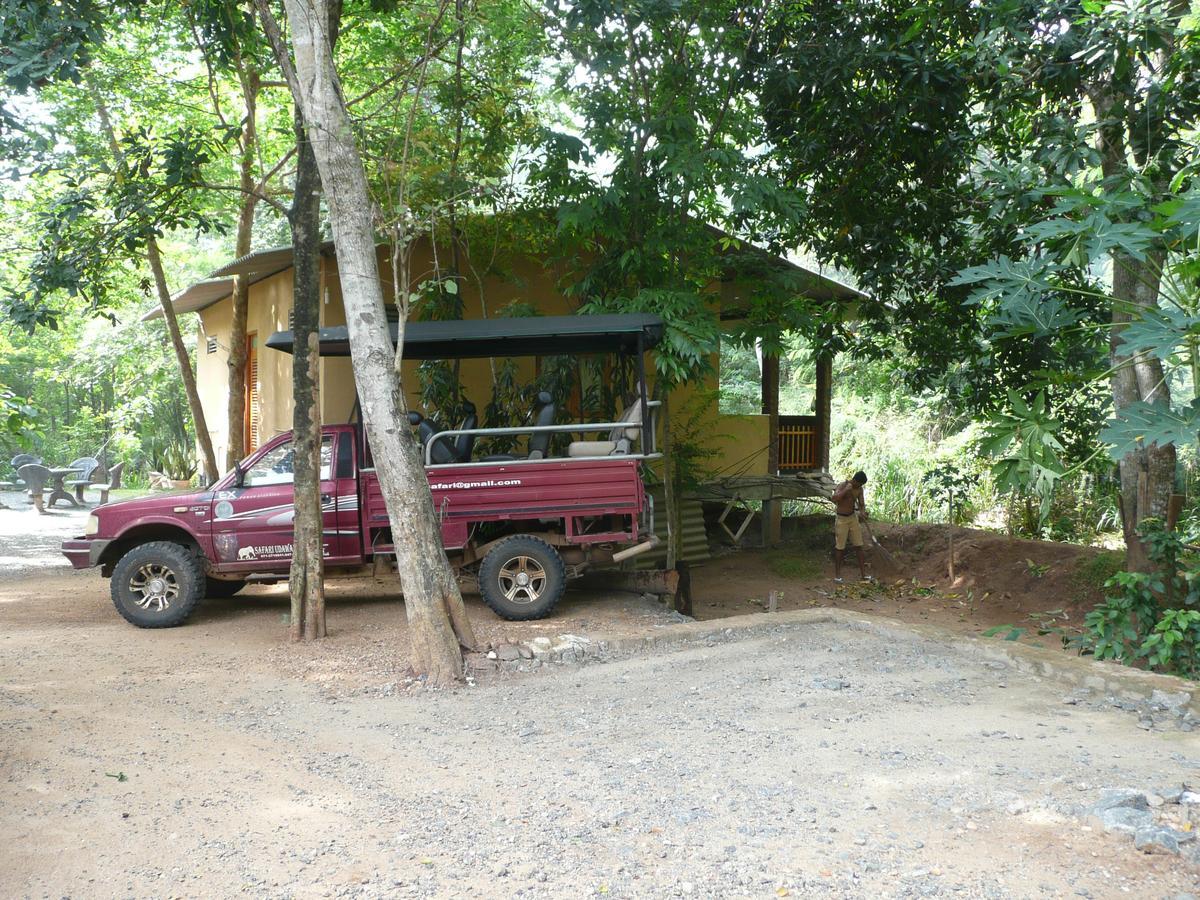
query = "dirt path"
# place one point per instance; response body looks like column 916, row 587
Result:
column 810, row 761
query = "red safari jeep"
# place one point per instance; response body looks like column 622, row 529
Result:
column 523, row 525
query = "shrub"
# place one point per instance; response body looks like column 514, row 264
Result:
column 1144, row 617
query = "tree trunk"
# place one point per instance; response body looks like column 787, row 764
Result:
column 1148, row 474
column 437, row 619
column 211, row 473
column 306, row 582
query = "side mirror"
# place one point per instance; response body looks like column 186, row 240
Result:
column 239, row 475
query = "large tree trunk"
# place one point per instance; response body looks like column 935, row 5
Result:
column 1148, row 474
column 437, row 620
column 306, row 582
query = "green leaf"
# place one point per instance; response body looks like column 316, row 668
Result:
column 1160, row 331
column 1141, row 424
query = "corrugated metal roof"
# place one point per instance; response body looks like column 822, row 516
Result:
column 197, row 297
column 260, row 264
column 256, row 265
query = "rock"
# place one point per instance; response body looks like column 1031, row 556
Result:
column 1189, row 797
column 492, row 654
column 1171, row 795
column 1017, row 807
column 1173, row 701
column 508, row 652
column 1120, row 797
column 526, row 652
column 831, row 684
column 1156, row 839
column 1124, row 819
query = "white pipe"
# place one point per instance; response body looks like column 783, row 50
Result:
column 635, row 550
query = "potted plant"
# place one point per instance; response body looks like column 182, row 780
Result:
column 175, row 468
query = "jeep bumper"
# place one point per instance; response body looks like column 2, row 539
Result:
column 84, row 553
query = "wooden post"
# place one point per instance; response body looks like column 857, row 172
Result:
column 824, row 408
column 772, row 510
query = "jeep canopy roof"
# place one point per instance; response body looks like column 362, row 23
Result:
column 528, row 336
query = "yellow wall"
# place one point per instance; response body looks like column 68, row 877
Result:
column 270, row 303
column 525, row 280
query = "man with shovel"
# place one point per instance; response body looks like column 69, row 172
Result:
column 851, row 510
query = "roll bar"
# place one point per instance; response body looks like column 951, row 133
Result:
column 648, row 426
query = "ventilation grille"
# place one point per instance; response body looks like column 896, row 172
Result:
column 212, row 345
column 291, row 320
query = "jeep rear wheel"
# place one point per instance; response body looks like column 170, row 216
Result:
column 522, row 578
column 157, row 585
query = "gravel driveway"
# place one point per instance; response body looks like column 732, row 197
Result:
column 29, row 542
column 810, row 761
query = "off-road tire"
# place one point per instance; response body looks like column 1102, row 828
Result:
column 218, row 589
column 181, row 573
column 499, row 575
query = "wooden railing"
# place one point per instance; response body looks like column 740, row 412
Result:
column 799, row 443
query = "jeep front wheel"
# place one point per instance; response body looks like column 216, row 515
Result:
column 521, row 578
column 157, row 585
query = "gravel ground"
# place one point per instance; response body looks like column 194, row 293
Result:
column 810, row 761
column 29, row 543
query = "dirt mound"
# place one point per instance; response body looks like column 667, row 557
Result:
column 1010, row 569
column 1042, row 588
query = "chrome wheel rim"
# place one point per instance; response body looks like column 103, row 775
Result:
column 522, row 580
column 154, row 587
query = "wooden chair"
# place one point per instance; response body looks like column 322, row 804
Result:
column 114, row 482
column 35, row 477
column 85, row 466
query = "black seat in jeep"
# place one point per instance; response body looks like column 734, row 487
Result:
column 465, row 443
column 445, row 451
column 542, row 414
column 442, row 452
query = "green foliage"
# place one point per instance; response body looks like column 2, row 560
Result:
column 1028, row 452
column 1093, row 572
column 177, row 462
column 1008, row 632
column 949, row 484
column 18, row 419
column 1141, row 423
column 1144, row 617
column 1174, row 645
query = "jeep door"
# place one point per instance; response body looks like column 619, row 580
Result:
column 252, row 524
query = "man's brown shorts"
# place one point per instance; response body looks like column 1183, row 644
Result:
column 847, row 527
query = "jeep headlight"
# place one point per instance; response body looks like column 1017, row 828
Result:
column 92, row 526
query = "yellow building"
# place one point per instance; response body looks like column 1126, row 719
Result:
column 747, row 445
